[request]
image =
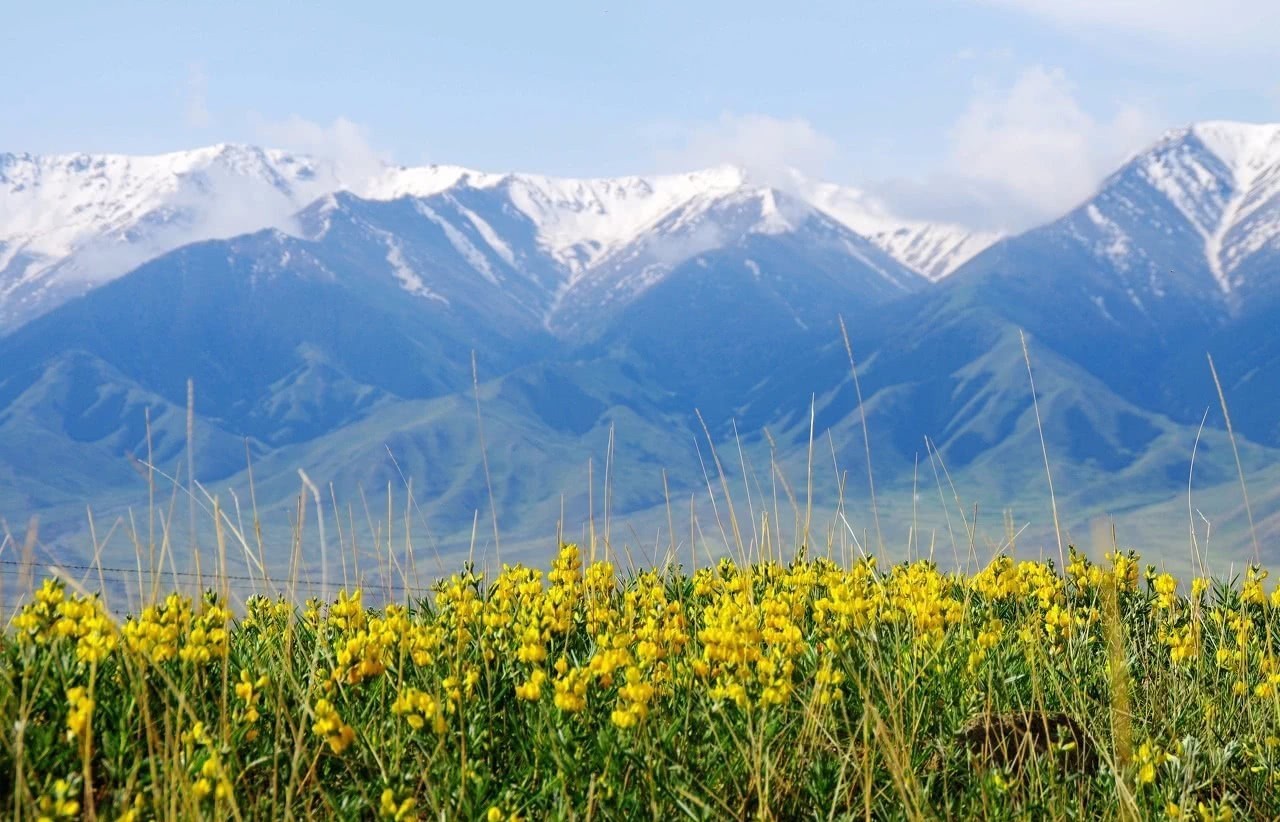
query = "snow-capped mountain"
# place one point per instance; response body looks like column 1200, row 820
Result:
column 345, row 334
column 577, row 222
column 1224, row 179
column 931, row 249
column 1186, row 231
column 69, row 223
column 583, row 222
column 1188, row 228
column 370, row 303
column 749, row 224
column 576, row 252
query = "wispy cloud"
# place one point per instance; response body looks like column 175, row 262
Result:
column 672, row 249
column 236, row 192
column 217, row 200
column 1018, row 154
column 1035, row 140
column 769, row 149
column 1021, row 154
column 342, row 145
column 196, row 105
column 1220, row 24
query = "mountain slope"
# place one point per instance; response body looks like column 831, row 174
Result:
column 295, row 343
column 284, row 338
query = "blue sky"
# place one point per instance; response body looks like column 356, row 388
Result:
column 994, row 111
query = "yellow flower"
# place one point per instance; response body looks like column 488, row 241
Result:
column 1166, row 588
column 59, row 803
column 531, row 689
column 1148, row 759
column 134, row 812
column 1183, row 644
column 329, row 726
column 1214, row 813
column 1251, row 591
column 79, row 715
column 571, row 691
column 347, row 612
column 402, row 811
column 418, row 708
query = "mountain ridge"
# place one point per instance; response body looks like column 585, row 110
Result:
column 673, row 313
column 71, row 222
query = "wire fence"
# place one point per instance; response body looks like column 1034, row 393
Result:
column 134, row 585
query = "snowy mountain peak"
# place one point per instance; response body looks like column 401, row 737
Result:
column 932, row 249
column 422, row 181
column 581, row 221
column 1212, row 185
column 51, row 205
column 73, row 221
column 1245, row 148
column 1224, row 178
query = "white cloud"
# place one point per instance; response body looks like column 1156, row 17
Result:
column 1220, row 23
column 770, row 149
column 196, row 111
column 214, row 202
column 1023, row 154
column 222, row 199
column 1018, row 155
column 1035, row 140
column 343, row 145
column 672, row 249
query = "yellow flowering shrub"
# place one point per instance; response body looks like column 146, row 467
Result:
column 718, row 693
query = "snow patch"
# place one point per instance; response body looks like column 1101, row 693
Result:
column 490, row 237
column 84, row 219
column 409, row 279
column 871, row 263
column 460, row 243
column 1245, row 148
column 421, row 181
column 1117, row 246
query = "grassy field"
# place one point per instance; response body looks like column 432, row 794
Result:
column 781, row 690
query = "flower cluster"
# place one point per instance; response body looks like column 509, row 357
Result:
column 79, row 714
column 171, row 629
column 53, row 616
column 249, row 692
column 581, row 654
column 59, row 803
column 420, row 709
column 329, row 726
